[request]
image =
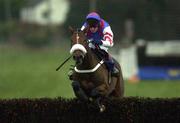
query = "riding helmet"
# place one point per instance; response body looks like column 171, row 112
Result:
column 93, row 19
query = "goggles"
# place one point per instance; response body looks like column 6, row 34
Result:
column 93, row 22
column 96, row 25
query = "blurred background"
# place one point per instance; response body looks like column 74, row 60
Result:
column 34, row 40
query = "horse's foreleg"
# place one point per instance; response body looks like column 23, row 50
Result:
column 101, row 90
column 98, row 93
column 79, row 91
column 100, row 105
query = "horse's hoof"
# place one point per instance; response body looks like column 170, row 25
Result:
column 102, row 108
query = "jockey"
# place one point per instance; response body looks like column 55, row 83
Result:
column 100, row 36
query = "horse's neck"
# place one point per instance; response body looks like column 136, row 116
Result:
column 90, row 60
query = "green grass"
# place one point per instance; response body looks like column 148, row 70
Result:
column 31, row 73
column 153, row 89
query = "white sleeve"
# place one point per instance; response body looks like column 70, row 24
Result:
column 82, row 28
column 108, row 37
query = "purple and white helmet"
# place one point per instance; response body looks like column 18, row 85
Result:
column 93, row 15
column 93, row 19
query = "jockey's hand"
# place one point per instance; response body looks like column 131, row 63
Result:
column 90, row 40
column 97, row 42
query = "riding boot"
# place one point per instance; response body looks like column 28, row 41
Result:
column 115, row 71
column 109, row 63
column 112, row 67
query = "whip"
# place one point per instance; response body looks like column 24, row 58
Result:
column 63, row 63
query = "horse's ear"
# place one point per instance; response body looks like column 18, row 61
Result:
column 71, row 29
column 85, row 30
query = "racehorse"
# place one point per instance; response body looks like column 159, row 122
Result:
column 91, row 78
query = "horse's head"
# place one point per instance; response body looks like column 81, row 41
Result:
column 78, row 45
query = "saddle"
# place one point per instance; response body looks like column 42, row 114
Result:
column 103, row 55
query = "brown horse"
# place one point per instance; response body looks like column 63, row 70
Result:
column 90, row 78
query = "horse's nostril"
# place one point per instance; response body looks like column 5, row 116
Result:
column 74, row 57
column 81, row 56
column 78, row 57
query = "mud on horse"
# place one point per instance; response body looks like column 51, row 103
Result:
column 90, row 76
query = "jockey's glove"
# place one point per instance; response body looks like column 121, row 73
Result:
column 97, row 42
column 90, row 40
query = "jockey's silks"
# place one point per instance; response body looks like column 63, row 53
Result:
column 104, row 34
column 97, row 36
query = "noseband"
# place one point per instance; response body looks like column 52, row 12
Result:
column 78, row 46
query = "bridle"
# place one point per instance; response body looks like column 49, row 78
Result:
column 77, row 37
column 78, row 46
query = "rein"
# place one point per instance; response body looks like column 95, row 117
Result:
column 90, row 70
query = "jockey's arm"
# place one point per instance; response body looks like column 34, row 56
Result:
column 107, row 40
column 108, row 37
column 84, row 26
